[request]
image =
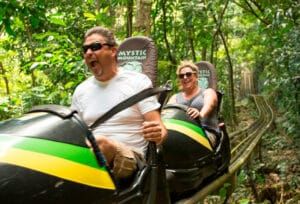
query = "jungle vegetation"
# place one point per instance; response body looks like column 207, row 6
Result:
column 41, row 58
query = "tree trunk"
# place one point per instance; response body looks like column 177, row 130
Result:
column 154, row 15
column 170, row 56
column 250, row 9
column 112, row 13
column 191, row 42
column 203, row 53
column 230, row 69
column 212, row 49
column 129, row 18
column 230, row 76
column 3, row 72
column 31, row 52
column 97, row 5
column 143, row 16
column 218, row 26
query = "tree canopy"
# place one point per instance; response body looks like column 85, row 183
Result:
column 41, row 59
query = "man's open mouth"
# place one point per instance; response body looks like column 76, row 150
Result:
column 93, row 63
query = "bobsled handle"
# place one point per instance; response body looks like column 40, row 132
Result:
column 61, row 111
column 100, row 158
column 176, row 105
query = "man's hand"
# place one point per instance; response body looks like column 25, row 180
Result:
column 153, row 131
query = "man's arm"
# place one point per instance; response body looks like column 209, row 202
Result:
column 153, row 127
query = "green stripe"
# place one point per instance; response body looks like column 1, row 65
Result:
column 187, row 125
column 66, row 151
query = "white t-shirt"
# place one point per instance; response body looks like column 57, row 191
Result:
column 93, row 98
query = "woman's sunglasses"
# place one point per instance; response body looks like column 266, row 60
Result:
column 187, row 74
column 94, row 46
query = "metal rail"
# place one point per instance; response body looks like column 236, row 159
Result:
column 243, row 143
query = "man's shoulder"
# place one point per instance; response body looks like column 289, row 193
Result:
column 134, row 77
column 85, row 84
column 129, row 73
column 134, row 80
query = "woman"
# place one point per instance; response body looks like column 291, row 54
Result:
column 202, row 103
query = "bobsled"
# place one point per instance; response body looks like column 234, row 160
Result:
column 44, row 157
column 190, row 159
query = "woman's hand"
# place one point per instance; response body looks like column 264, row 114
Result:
column 193, row 112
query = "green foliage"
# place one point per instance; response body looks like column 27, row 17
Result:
column 242, row 177
column 167, row 71
column 244, row 201
column 41, row 40
column 223, row 191
column 283, row 82
column 8, row 108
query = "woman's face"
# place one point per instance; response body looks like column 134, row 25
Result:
column 187, row 78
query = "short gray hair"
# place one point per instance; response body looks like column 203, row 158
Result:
column 106, row 33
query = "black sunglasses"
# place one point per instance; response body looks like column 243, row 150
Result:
column 94, row 46
column 187, row 74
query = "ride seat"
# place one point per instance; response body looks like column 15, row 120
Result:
column 207, row 78
column 140, row 54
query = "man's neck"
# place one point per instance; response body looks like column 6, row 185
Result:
column 108, row 76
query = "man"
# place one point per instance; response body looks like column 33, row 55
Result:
column 123, row 138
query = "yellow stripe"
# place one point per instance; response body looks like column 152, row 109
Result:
column 58, row 167
column 190, row 133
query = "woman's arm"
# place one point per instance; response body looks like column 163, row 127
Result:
column 210, row 102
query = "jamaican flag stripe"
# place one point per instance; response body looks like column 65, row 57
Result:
column 58, row 167
column 67, row 151
column 191, row 130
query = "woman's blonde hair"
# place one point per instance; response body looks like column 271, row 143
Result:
column 187, row 63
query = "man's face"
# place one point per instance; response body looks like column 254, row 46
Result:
column 100, row 57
